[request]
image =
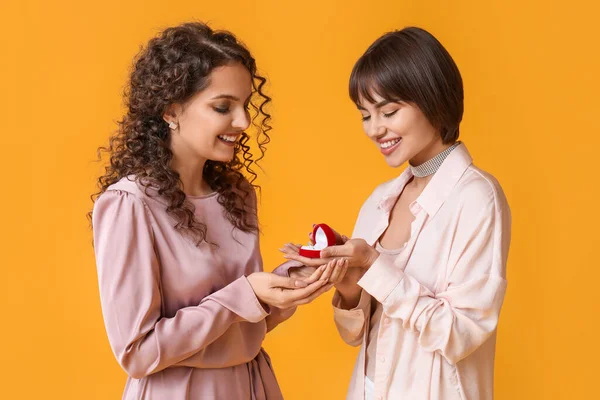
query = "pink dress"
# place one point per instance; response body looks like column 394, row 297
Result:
column 182, row 321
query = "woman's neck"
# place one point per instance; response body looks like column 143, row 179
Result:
column 420, row 183
column 190, row 170
column 427, row 154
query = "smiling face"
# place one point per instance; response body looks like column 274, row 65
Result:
column 213, row 120
column 400, row 130
column 410, row 93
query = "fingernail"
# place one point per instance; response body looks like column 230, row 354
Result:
column 286, row 256
column 301, row 284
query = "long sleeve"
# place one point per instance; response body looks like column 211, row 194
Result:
column 279, row 315
column 351, row 323
column 230, row 348
column 142, row 340
column 459, row 319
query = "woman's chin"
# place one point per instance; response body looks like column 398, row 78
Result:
column 395, row 162
column 222, row 157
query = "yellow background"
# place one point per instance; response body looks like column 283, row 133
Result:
column 531, row 78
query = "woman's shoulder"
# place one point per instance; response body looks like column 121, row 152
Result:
column 122, row 203
column 383, row 189
column 128, row 189
column 377, row 194
column 478, row 187
column 126, row 186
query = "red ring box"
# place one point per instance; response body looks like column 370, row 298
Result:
column 323, row 236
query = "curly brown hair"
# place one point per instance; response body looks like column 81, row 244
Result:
column 171, row 69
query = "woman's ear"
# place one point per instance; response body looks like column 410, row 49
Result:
column 171, row 116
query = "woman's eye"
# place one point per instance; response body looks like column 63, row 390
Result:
column 390, row 114
column 221, row 110
column 366, row 118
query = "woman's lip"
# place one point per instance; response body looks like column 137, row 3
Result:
column 390, row 150
column 227, row 142
column 387, row 139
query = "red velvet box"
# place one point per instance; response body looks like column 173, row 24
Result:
column 323, row 237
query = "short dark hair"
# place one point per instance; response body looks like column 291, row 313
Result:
column 411, row 65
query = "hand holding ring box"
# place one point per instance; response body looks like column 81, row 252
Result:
column 323, row 236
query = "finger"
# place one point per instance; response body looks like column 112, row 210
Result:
column 301, row 272
column 309, row 262
column 286, row 250
column 291, row 246
column 345, row 238
column 313, row 296
column 341, row 274
column 336, row 251
column 335, row 270
column 328, row 270
column 339, row 266
column 290, row 296
column 315, row 275
column 288, row 283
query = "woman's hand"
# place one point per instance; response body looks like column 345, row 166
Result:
column 357, row 256
column 348, row 288
column 302, row 272
column 337, row 272
column 334, row 272
column 292, row 251
column 283, row 292
column 357, row 251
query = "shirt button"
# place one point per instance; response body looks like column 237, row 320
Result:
column 382, row 359
column 386, row 321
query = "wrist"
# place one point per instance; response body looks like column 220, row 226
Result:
column 349, row 296
column 373, row 256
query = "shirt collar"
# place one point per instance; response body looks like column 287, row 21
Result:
column 438, row 189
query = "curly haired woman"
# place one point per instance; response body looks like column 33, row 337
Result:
column 185, row 302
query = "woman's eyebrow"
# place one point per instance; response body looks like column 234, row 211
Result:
column 226, row 96
column 378, row 105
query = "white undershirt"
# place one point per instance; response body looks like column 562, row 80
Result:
column 369, row 388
